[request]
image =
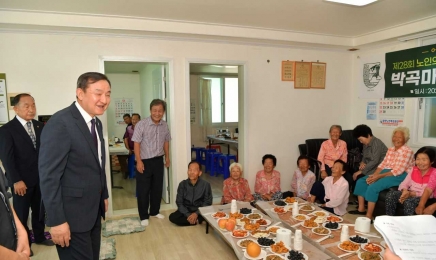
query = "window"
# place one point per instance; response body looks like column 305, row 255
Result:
column 224, row 99
column 426, row 113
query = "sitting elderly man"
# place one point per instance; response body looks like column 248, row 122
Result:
column 191, row 194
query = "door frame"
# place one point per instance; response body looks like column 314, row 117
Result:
column 170, row 97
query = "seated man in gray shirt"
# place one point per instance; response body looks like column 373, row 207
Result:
column 191, row 194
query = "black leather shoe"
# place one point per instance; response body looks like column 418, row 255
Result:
column 356, row 212
column 47, row 242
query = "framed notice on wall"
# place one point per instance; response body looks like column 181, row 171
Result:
column 4, row 113
column 288, row 70
column 318, row 74
column 302, row 74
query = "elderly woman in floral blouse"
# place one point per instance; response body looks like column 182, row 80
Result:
column 235, row 187
column 303, row 178
column 267, row 186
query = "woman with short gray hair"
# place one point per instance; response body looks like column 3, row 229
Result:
column 235, row 187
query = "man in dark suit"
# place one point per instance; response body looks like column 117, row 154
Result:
column 72, row 170
column 19, row 146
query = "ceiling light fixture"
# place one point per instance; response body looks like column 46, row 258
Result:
column 353, row 2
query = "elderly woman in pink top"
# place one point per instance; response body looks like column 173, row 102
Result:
column 332, row 150
column 411, row 189
column 235, row 187
column 427, row 203
column 267, row 186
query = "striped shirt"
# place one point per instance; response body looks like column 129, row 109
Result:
column 151, row 137
column 398, row 161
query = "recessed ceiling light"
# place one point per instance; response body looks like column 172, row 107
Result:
column 353, row 2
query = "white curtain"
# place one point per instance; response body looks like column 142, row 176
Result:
column 206, row 107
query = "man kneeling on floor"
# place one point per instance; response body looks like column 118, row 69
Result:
column 191, row 194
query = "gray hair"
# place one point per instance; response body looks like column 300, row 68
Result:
column 235, row 164
column 403, row 130
column 335, row 126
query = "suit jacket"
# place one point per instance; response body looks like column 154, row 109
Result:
column 17, row 153
column 73, row 183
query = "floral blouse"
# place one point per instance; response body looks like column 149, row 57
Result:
column 240, row 191
column 301, row 185
column 265, row 186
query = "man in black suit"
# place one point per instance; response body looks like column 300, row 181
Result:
column 72, row 170
column 19, row 146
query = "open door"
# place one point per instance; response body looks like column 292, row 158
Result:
column 159, row 91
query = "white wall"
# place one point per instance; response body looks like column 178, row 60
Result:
column 123, row 86
column 277, row 116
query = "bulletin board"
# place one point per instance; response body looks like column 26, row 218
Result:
column 4, row 113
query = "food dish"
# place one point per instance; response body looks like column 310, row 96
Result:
column 272, row 256
column 265, row 242
column 236, row 215
column 280, row 203
column 242, row 222
column 322, row 231
column 331, row 225
column 373, row 248
column 319, row 213
column 296, row 255
column 260, row 233
column 359, row 239
column 264, row 222
column 273, row 229
column 333, row 218
column 279, row 210
column 300, row 217
column 239, row 233
column 279, row 248
column 243, row 243
column 348, row 246
column 369, row 256
column 254, row 216
column 290, row 200
column 307, row 208
column 251, row 226
column 310, row 224
column 219, row 214
column 261, row 256
column 245, row 211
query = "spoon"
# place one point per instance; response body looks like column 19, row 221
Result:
column 324, row 238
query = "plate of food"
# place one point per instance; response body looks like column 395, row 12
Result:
column 243, row 221
column 348, row 246
column 239, row 233
column 331, row 225
column 272, row 256
column 322, row 231
column 279, row 210
column 260, row 233
column 310, row 223
column 359, row 239
column 290, row 200
column 363, row 255
column 301, row 217
column 260, row 256
column 236, row 215
column 254, row 216
column 279, row 248
column 373, row 248
column 280, row 203
column 263, row 222
column 251, row 226
column 333, row 218
column 319, row 213
column 265, row 242
column 295, row 255
column 273, row 230
column 219, row 214
column 307, row 208
column 245, row 211
column 243, row 243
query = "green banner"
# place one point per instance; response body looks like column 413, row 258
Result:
column 411, row 73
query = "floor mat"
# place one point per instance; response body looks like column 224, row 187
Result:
column 122, row 226
column 107, row 249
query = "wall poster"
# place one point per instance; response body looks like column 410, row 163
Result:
column 302, row 74
column 371, row 111
column 318, row 75
column 122, row 106
column 4, row 113
column 391, row 112
column 288, row 70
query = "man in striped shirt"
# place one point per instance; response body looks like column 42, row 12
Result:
column 151, row 142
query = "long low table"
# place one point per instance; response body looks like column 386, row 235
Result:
column 330, row 245
column 309, row 249
column 213, row 139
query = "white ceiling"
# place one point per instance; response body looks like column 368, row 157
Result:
column 309, row 16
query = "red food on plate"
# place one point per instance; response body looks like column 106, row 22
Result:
column 371, row 247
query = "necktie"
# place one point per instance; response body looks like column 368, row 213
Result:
column 94, row 135
column 30, row 132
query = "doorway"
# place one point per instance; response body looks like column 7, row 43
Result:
column 216, row 106
column 134, row 85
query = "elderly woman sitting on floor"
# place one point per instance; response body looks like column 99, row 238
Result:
column 235, row 187
column 391, row 172
column 267, row 186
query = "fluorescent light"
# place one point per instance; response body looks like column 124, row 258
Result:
column 417, row 36
column 353, row 2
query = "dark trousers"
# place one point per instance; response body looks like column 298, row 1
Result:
column 83, row 246
column 32, row 199
column 149, row 186
column 318, row 191
column 430, row 202
column 181, row 220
